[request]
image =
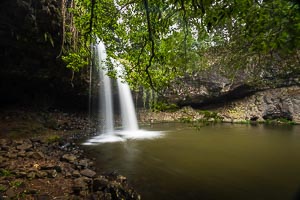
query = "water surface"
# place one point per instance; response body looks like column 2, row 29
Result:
column 216, row 162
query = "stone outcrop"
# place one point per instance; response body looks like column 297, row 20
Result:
column 216, row 86
column 273, row 104
column 279, row 103
column 208, row 87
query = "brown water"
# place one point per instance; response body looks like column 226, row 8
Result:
column 217, row 162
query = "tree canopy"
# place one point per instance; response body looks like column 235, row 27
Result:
column 158, row 41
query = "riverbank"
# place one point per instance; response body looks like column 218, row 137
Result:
column 40, row 159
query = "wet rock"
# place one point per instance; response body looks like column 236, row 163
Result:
column 37, row 155
column 22, row 153
column 51, row 167
column 88, row 173
column 3, row 142
column 11, row 155
column 31, row 175
column 21, row 174
column 4, row 148
column 69, row 157
column 24, row 147
column 68, row 175
column 79, row 185
column 42, row 197
column 101, row 195
column 2, row 160
column 84, row 163
column 35, row 140
column 42, row 174
column 121, row 179
column 11, row 194
column 76, row 173
column 51, row 173
column 100, row 183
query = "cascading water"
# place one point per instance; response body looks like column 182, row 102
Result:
column 129, row 121
column 105, row 93
column 128, row 115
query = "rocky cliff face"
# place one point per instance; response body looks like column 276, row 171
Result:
column 31, row 71
column 215, row 86
column 273, row 104
column 279, row 103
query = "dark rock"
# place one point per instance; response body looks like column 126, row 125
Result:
column 51, row 167
column 100, row 183
column 79, row 186
column 88, row 173
column 35, row 140
column 31, row 191
column 51, row 173
column 5, row 148
column 121, row 179
column 43, row 197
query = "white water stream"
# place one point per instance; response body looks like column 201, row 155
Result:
column 130, row 129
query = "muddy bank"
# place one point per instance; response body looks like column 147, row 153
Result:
column 40, row 159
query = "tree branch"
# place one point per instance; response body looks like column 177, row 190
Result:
column 151, row 39
column 92, row 17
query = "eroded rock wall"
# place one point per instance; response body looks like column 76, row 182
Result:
column 272, row 104
column 279, row 103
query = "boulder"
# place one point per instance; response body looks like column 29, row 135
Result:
column 69, row 157
column 88, row 173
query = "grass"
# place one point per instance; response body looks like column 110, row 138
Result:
column 5, row 173
column 280, row 121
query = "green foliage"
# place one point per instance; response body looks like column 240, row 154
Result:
column 16, row 183
column 48, row 37
column 158, row 42
column 208, row 118
column 186, row 119
column 162, row 106
column 280, row 121
column 53, row 138
column 210, row 115
column 3, row 188
column 4, row 172
column 75, row 61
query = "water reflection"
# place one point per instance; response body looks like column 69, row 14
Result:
column 218, row 162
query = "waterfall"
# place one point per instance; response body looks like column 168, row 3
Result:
column 105, row 93
column 130, row 129
column 129, row 120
